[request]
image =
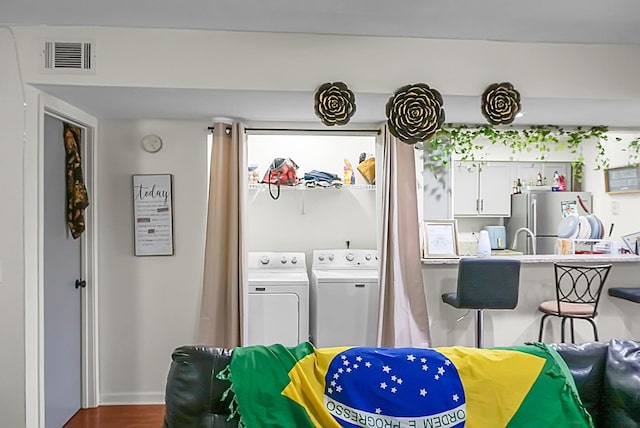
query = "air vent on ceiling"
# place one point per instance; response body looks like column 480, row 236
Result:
column 69, row 56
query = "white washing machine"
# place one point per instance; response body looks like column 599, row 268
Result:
column 345, row 290
column 278, row 300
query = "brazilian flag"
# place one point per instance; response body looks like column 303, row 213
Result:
column 524, row 386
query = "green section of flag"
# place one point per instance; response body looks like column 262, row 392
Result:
column 553, row 400
column 258, row 376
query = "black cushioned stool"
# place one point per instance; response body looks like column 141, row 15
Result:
column 631, row 294
column 485, row 283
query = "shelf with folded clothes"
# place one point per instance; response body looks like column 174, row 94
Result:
column 306, row 186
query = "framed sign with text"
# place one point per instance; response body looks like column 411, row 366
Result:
column 440, row 239
column 153, row 214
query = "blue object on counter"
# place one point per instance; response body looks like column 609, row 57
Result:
column 497, row 237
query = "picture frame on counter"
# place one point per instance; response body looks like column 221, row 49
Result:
column 632, row 242
column 153, row 214
column 440, row 239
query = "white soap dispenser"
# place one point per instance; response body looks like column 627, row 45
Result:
column 484, row 245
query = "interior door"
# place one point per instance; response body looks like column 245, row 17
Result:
column 62, row 300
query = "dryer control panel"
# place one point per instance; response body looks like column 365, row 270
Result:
column 276, row 260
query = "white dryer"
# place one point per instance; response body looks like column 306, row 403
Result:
column 345, row 290
column 278, row 300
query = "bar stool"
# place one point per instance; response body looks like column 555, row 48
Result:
column 485, row 283
column 578, row 290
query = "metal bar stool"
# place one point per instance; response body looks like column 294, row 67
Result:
column 578, row 290
column 485, row 283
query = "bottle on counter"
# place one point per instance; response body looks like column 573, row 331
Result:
column 484, row 245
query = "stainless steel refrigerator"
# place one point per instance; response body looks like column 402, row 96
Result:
column 541, row 212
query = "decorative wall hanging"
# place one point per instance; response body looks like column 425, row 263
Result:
column 500, row 103
column 334, row 103
column 415, row 113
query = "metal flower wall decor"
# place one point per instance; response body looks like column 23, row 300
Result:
column 334, row 103
column 415, row 113
column 500, row 103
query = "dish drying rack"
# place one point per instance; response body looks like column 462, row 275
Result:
column 591, row 246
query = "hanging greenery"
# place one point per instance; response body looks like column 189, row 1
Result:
column 467, row 142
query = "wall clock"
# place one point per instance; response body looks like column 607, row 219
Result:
column 151, row 143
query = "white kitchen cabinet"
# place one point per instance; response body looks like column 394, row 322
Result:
column 482, row 190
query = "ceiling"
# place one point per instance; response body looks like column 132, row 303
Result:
column 552, row 21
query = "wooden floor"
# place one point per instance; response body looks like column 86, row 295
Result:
column 118, row 417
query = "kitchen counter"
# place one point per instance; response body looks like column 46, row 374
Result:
column 547, row 258
column 616, row 318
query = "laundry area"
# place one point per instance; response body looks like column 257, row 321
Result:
column 312, row 256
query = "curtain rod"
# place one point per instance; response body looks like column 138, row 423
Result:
column 308, row 130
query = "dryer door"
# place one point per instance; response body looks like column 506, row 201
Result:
column 273, row 318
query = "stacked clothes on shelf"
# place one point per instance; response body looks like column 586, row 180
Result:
column 317, row 178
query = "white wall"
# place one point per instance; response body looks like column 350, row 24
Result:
column 299, row 62
column 315, row 218
column 626, row 221
column 148, row 305
column 12, row 323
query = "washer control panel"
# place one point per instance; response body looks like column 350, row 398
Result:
column 345, row 259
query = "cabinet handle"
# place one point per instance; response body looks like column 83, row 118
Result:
column 481, row 204
column 477, row 204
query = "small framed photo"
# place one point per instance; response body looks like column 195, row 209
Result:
column 632, row 242
column 440, row 238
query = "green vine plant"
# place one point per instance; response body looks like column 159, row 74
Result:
column 466, row 142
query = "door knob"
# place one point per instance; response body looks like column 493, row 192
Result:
column 81, row 283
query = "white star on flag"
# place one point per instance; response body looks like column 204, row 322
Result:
column 368, row 364
column 447, row 363
column 378, row 411
column 410, row 357
column 394, row 377
column 330, row 390
column 399, row 381
column 348, row 369
column 423, row 392
column 346, row 362
column 455, row 397
column 344, row 357
column 338, row 388
column 425, row 367
column 436, row 377
column 441, row 370
column 355, row 366
column 393, row 389
column 333, row 383
column 383, row 385
column 359, row 359
column 386, row 369
column 336, row 375
column 423, row 360
column 340, row 370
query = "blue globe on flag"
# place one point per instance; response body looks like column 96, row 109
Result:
column 400, row 387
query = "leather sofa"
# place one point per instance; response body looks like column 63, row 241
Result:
column 607, row 376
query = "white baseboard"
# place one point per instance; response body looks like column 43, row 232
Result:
column 113, row 399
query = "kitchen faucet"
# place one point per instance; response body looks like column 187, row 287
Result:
column 533, row 239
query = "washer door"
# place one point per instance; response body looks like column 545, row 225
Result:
column 344, row 313
column 273, row 318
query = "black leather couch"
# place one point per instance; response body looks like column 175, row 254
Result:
column 607, row 376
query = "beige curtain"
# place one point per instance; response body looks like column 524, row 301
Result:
column 221, row 313
column 403, row 319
